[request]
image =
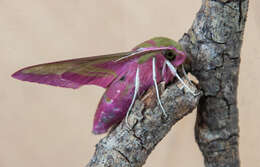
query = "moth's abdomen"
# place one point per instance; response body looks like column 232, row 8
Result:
column 110, row 112
column 114, row 103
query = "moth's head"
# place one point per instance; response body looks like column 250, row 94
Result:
column 175, row 56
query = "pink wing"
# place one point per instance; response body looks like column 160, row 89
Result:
column 98, row 70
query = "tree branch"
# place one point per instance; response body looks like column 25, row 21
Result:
column 124, row 147
column 214, row 43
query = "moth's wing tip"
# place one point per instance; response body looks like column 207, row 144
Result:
column 19, row 75
column 49, row 79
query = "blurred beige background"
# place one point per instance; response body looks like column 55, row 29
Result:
column 46, row 126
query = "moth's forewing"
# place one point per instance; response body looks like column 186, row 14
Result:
column 98, row 70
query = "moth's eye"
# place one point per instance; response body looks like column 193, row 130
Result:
column 169, row 55
column 122, row 78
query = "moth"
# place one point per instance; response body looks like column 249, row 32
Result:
column 124, row 76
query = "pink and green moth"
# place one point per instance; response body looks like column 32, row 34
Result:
column 124, row 76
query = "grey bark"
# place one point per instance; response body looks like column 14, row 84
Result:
column 213, row 45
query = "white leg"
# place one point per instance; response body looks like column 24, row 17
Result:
column 137, row 84
column 156, row 88
column 174, row 72
column 164, row 69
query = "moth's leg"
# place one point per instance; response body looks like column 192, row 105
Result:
column 164, row 68
column 137, row 84
column 156, row 88
column 174, row 72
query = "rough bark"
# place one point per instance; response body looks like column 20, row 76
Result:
column 123, row 147
column 214, row 43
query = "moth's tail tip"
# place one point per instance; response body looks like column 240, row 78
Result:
column 98, row 131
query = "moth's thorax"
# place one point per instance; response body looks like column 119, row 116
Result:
column 159, row 42
column 162, row 42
